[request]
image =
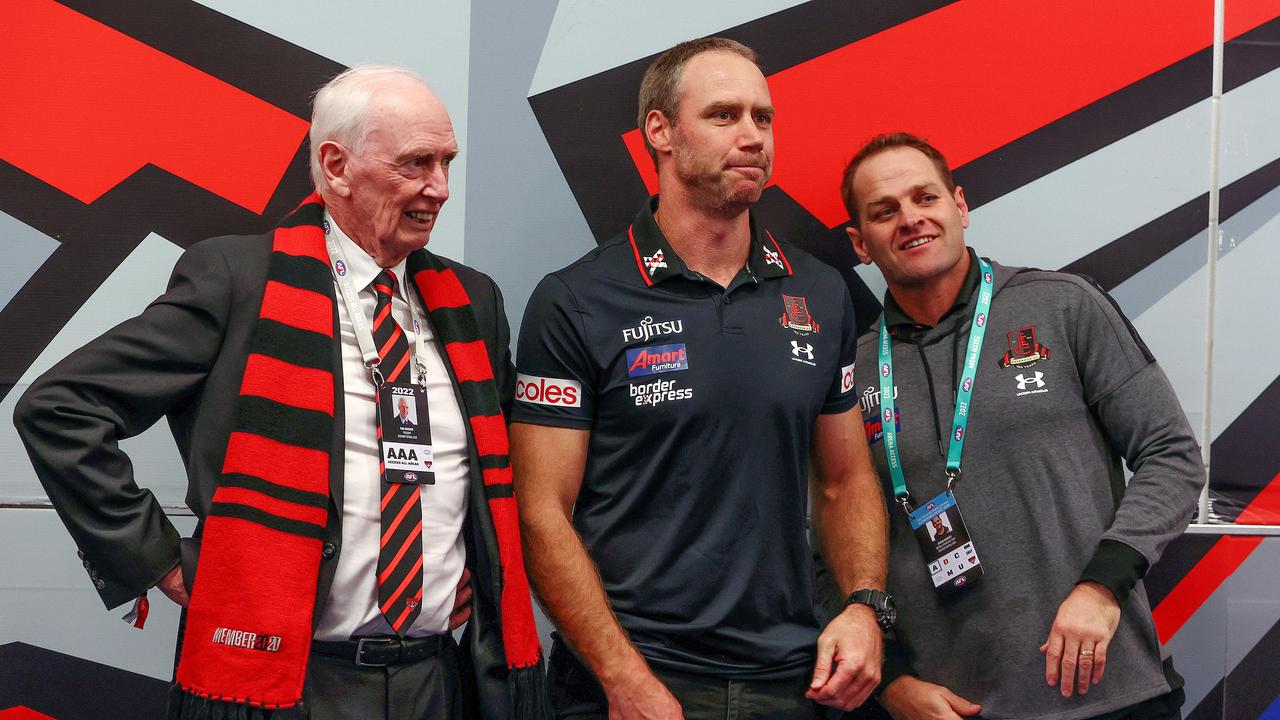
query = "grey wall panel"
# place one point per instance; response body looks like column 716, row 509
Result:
column 46, row 600
column 135, row 283
column 522, row 222
column 590, row 36
column 23, row 248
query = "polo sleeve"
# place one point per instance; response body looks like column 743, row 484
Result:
column 555, row 380
column 841, row 396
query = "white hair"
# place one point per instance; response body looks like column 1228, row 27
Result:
column 339, row 110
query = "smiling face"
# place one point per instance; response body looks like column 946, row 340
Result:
column 910, row 225
column 386, row 195
column 404, row 408
column 720, row 144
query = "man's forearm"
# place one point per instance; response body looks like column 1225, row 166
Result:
column 853, row 529
column 568, row 586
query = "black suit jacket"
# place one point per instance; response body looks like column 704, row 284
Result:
column 183, row 359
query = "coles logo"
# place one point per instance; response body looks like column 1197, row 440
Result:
column 846, row 379
column 548, row 391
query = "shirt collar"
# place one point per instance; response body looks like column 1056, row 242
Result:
column 360, row 265
column 656, row 260
column 894, row 315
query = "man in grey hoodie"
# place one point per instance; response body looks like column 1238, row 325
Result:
column 1034, row 606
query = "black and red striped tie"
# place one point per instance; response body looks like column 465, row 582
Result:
column 400, row 551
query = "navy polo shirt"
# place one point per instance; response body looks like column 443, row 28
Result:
column 700, row 401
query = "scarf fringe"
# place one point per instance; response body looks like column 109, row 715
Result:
column 527, row 693
column 184, row 705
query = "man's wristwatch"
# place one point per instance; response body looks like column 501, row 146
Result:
column 881, row 602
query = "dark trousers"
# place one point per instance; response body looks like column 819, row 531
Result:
column 428, row 689
column 576, row 695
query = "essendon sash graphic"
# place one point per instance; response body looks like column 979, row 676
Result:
column 1024, row 351
column 177, row 111
column 795, row 315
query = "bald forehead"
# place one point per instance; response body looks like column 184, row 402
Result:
column 403, row 94
column 716, row 66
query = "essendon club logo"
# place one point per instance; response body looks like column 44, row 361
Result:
column 1024, row 349
column 795, row 315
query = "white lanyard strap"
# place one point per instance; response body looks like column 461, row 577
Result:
column 360, row 324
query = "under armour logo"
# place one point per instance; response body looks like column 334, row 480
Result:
column 655, row 261
column 771, row 257
column 1024, row 381
column 806, row 349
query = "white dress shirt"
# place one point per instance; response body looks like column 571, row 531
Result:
column 352, row 606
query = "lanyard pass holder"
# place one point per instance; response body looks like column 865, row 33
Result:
column 953, row 477
column 905, row 501
column 375, row 373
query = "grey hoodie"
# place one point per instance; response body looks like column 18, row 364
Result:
column 1042, row 486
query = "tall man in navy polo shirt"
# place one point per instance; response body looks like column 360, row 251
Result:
column 675, row 383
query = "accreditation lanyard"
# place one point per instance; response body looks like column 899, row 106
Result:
column 960, row 420
column 360, row 324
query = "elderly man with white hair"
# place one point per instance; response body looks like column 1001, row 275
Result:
column 335, row 555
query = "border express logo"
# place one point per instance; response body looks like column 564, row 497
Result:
column 657, row 359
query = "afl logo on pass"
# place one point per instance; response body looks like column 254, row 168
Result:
column 548, row 391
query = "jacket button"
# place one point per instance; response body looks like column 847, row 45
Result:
column 99, row 584
column 80, row 554
column 85, row 564
column 328, row 550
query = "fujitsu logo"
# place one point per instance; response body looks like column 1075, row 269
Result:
column 649, row 329
column 871, row 398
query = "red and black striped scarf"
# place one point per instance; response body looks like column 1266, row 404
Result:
column 249, row 625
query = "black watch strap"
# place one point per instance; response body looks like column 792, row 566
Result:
column 879, row 601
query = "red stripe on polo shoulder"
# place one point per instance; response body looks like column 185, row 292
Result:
column 778, row 246
column 288, row 384
column 274, row 506
column 635, row 249
column 277, row 462
column 298, row 308
column 441, row 289
column 470, row 361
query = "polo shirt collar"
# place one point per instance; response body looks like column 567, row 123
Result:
column 895, row 316
column 656, row 260
column 360, row 265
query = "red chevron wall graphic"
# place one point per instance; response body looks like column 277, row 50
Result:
column 1044, row 61
column 84, row 126
column 1216, row 566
